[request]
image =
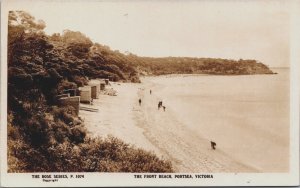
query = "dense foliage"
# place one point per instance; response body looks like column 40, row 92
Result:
column 43, row 137
column 188, row 65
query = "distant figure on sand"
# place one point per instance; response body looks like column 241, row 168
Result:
column 150, row 91
column 164, row 108
column 140, row 101
column 159, row 104
column 213, row 145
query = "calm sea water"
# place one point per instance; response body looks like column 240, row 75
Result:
column 247, row 116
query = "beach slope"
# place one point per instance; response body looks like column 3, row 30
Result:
column 155, row 130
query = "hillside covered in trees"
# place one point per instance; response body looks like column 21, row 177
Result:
column 45, row 137
column 188, row 65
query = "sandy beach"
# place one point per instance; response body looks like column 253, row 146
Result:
column 117, row 116
column 173, row 135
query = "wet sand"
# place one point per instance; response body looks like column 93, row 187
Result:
column 154, row 130
column 170, row 135
column 188, row 151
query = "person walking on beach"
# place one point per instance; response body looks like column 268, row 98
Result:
column 164, row 108
column 140, row 101
column 150, row 92
column 213, row 145
column 159, row 104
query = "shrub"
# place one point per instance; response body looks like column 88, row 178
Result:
column 45, row 138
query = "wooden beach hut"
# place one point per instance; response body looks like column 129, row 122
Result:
column 71, row 92
column 70, row 101
column 102, row 86
column 85, row 94
column 95, row 88
column 94, row 92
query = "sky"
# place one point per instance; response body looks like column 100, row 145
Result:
column 217, row 29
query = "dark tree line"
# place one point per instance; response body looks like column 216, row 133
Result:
column 188, row 65
column 44, row 137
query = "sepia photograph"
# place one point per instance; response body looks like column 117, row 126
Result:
column 151, row 93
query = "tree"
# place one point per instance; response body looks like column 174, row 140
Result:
column 19, row 24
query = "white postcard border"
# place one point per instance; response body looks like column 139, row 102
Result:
column 128, row 179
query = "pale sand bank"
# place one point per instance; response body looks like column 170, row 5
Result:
column 247, row 116
column 188, row 151
column 157, row 131
column 116, row 116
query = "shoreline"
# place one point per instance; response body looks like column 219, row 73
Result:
column 156, row 131
column 237, row 113
column 212, row 74
column 168, row 133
